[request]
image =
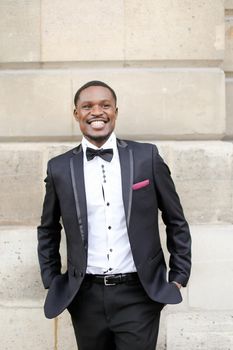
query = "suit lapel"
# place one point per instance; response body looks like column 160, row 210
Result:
column 126, row 162
column 77, row 176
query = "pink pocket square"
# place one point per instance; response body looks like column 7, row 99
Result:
column 141, row 184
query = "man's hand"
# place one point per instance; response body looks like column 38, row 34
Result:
column 177, row 284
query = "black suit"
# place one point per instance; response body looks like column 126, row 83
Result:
column 65, row 198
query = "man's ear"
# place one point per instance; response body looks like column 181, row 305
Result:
column 75, row 113
column 116, row 112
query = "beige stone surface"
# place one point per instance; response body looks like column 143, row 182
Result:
column 229, row 107
column 22, row 294
column 202, row 331
column 19, row 31
column 209, row 327
column 180, row 103
column 202, row 172
column 161, row 342
column 20, row 281
column 228, row 57
column 210, row 286
column 174, row 30
column 20, row 184
column 66, row 337
column 164, row 103
column 35, row 103
column 82, row 30
column 56, row 149
column 23, row 169
column 26, row 329
column 229, row 4
column 125, row 30
column 50, row 48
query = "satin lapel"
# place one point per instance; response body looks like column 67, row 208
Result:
column 126, row 161
column 77, row 175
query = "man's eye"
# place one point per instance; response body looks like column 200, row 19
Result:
column 86, row 107
column 106, row 105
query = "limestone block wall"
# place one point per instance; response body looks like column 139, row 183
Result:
column 171, row 64
column 228, row 67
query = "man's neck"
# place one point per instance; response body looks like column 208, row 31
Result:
column 90, row 143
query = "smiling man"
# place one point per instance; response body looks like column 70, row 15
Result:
column 108, row 192
column 96, row 113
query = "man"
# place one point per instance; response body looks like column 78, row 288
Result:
column 107, row 193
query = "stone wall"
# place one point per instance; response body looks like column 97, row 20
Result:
column 171, row 64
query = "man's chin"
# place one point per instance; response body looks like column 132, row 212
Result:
column 98, row 139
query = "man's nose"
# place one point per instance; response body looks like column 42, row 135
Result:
column 97, row 110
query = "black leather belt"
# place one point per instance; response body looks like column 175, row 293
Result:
column 112, row 280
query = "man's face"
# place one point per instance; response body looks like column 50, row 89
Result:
column 96, row 113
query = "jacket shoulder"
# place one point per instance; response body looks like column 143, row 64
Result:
column 143, row 146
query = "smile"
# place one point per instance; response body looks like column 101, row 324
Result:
column 97, row 124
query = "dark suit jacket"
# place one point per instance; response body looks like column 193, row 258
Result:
column 65, row 199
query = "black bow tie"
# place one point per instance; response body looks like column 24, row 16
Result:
column 105, row 154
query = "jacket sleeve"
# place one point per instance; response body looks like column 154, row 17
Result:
column 177, row 229
column 49, row 233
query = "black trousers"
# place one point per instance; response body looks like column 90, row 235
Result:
column 119, row 317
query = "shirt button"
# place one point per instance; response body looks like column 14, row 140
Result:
column 110, row 250
column 110, row 269
column 108, row 204
column 109, row 227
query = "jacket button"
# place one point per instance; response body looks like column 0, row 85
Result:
column 81, row 274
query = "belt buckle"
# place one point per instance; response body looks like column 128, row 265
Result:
column 106, row 283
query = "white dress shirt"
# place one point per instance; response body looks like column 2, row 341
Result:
column 109, row 249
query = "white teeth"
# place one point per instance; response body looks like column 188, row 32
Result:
column 97, row 124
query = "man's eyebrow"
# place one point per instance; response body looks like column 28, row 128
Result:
column 91, row 101
column 86, row 101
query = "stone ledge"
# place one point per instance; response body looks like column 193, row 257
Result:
column 20, row 281
column 227, row 64
column 211, row 286
column 205, row 188
column 41, row 31
column 27, row 328
column 191, row 31
column 203, row 321
column 229, row 4
column 20, row 31
column 212, row 258
column 165, row 103
column 194, row 330
column 229, row 107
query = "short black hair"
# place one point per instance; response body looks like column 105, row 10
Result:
column 93, row 83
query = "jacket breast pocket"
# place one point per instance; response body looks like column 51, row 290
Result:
column 144, row 185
